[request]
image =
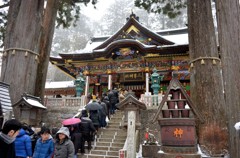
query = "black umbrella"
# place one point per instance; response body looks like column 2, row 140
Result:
column 93, row 106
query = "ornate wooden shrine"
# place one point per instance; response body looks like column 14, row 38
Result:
column 177, row 116
column 127, row 56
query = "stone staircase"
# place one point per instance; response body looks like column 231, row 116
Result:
column 110, row 140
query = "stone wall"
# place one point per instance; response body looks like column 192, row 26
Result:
column 54, row 115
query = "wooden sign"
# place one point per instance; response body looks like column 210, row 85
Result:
column 136, row 76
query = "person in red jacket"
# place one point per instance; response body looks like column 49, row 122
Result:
column 7, row 137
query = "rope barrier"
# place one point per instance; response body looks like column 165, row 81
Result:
column 205, row 58
column 21, row 49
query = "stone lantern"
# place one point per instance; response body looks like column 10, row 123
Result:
column 155, row 78
column 79, row 83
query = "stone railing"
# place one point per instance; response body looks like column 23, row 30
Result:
column 151, row 100
column 67, row 101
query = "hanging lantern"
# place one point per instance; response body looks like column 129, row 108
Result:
column 214, row 62
column 202, row 62
column 13, row 52
column 26, row 53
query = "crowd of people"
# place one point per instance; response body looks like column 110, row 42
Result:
column 18, row 140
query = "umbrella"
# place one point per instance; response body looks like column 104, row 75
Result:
column 71, row 121
column 93, row 106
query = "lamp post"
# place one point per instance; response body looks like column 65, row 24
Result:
column 155, row 78
column 79, row 83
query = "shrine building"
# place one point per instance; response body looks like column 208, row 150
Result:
column 126, row 59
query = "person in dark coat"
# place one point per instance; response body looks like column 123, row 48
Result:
column 103, row 114
column 23, row 145
column 7, row 137
column 105, row 99
column 86, row 129
column 76, row 138
column 95, row 117
column 113, row 99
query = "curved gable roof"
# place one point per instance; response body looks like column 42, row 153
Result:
column 144, row 30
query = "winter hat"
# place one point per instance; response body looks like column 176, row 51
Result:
column 64, row 130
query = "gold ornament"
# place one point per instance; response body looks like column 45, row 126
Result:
column 13, row 52
column 191, row 65
column 214, row 62
column 202, row 62
column 5, row 53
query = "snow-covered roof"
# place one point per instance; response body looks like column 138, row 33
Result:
column 178, row 38
column 59, row 84
column 5, row 101
column 34, row 103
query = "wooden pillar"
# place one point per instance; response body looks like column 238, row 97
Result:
column 147, row 83
column 87, row 86
column 131, row 139
column 109, row 82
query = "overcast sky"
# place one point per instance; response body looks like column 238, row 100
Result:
column 96, row 14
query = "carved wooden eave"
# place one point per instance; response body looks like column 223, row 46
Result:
column 174, row 85
column 130, row 103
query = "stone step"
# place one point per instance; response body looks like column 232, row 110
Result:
column 115, row 148
column 107, row 136
column 120, row 137
column 109, row 140
column 103, row 143
column 98, row 152
column 101, row 148
column 99, row 156
column 104, row 140
column 112, row 153
column 117, row 144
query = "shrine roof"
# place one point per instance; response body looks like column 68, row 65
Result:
column 31, row 101
column 168, row 37
column 59, row 84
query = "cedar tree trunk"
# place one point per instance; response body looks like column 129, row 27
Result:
column 206, row 79
column 228, row 29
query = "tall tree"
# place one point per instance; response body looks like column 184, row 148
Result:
column 21, row 44
column 228, row 15
column 206, row 79
column 28, row 41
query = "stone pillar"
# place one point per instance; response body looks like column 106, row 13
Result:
column 147, row 83
column 109, row 82
column 131, row 139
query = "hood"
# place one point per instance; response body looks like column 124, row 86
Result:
column 64, row 130
column 21, row 132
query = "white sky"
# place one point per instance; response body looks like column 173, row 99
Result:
column 96, row 14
